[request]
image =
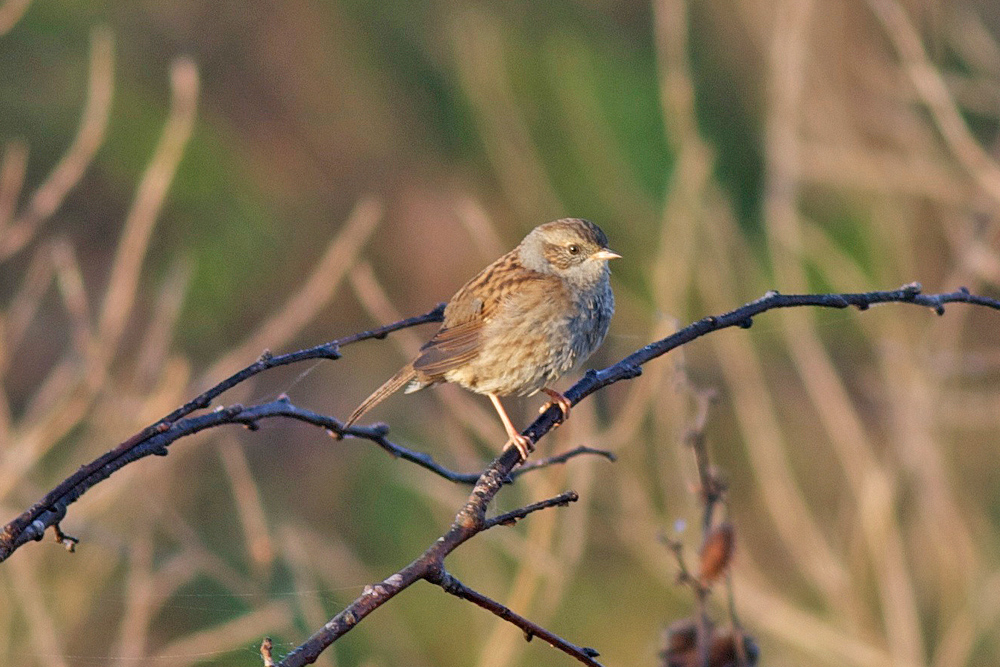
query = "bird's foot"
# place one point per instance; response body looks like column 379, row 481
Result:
column 522, row 443
column 557, row 399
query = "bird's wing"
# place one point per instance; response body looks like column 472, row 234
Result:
column 450, row 347
column 476, row 303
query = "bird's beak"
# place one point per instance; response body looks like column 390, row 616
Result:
column 604, row 253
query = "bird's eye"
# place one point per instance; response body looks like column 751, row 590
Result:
column 574, row 249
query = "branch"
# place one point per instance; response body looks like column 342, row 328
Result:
column 528, row 466
column 153, row 439
column 470, row 520
column 510, row 518
column 531, row 630
column 378, row 432
column 631, row 366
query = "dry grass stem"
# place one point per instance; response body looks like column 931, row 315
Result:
column 12, row 168
column 315, row 293
column 479, row 58
column 931, row 88
column 154, row 348
column 249, row 506
column 42, row 627
column 70, row 169
column 10, row 13
column 119, row 299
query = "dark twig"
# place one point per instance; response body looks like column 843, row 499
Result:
column 67, row 541
column 711, row 493
column 531, row 630
column 471, row 519
column 562, row 458
column 684, row 575
column 702, row 624
column 136, row 448
column 712, row 487
column 510, row 518
column 631, row 366
column 31, row 524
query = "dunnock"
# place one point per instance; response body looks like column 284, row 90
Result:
column 521, row 323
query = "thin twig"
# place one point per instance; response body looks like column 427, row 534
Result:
column 512, row 517
column 711, row 487
column 631, row 366
column 52, row 508
column 531, row 630
column 470, row 520
column 703, row 626
column 562, row 458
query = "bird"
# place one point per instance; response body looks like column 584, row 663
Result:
column 525, row 320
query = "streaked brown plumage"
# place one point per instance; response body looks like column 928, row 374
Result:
column 521, row 323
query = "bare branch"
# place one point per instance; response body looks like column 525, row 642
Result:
column 631, row 366
column 528, row 466
column 47, row 512
column 531, row 630
column 154, row 438
column 470, row 520
column 53, row 507
column 510, row 518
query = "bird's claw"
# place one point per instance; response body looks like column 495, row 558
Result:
column 557, row 399
column 522, row 443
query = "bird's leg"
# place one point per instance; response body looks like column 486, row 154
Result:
column 557, row 399
column 523, row 443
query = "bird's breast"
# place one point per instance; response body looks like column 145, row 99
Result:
column 528, row 345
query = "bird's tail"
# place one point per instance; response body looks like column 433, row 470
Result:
column 405, row 374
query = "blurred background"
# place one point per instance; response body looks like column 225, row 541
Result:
column 186, row 184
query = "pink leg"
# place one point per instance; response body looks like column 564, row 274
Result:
column 523, row 443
